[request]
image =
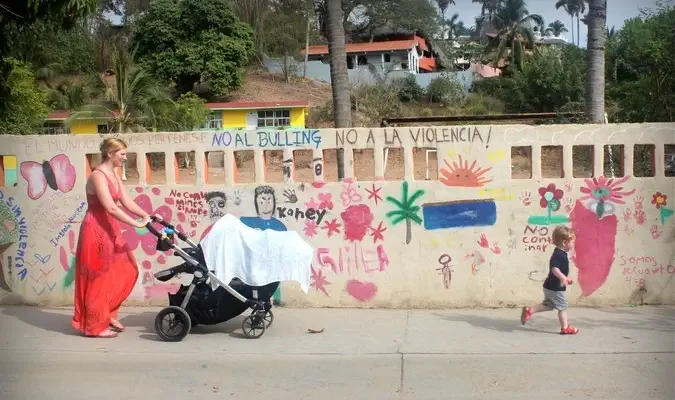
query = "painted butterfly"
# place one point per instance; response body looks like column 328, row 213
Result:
column 57, row 173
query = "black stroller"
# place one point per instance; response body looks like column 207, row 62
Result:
column 198, row 303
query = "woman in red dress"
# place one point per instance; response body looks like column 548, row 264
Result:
column 105, row 268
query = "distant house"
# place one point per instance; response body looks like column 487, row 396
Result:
column 282, row 114
column 412, row 54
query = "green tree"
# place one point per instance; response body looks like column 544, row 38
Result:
column 640, row 67
column 406, row 210
column 556, row 28
column 574, row 8
column 514, row 24
column 132, row 102
column 194, row 42
column 25, row 107
column 186, row 113
column 551, row 80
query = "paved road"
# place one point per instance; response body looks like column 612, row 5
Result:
column 620, row 353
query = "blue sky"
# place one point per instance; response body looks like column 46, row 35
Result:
column 617, row 12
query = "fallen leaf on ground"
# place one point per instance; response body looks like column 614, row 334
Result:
column 310, row 330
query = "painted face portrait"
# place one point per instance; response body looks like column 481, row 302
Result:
column 216, row 202
column 265, row 205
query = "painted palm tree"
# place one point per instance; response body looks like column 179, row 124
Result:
column 574, row 8
column 595, row 55
column 514, row 25
column 556, row 28
column 406, row 210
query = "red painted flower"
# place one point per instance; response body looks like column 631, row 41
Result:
column 659, row 200
column 357, row 220
column 550, row 197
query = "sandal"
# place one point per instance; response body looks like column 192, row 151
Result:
column 106, row 334
column 116, row 326
column 525, row 315
column 570, row 330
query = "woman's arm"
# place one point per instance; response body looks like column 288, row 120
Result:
column 103, row 193
column 129, row 204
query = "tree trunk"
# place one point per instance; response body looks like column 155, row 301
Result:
column 408, row 231
column 578, row 36
column 572, row 27
column 304, row 74
column 595, row 56
column 339, row 75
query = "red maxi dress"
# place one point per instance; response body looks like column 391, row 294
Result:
column 105, row 268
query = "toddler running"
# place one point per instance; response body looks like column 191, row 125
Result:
column 556, row 282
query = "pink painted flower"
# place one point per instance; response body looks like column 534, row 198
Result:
column 607, row 190
column 325, row 201
column 357, row 220
column 310, row 228
column 134, row 236
column 550, row 196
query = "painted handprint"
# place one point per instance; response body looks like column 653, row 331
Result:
column 496, row 249
column 639, row 215
column 627, row 213
column 483, row 242
column 569, row 205
column 290, row 196
column 237, row 197
column 655, row 231
column 526, row 198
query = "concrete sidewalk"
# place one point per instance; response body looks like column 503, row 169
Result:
column 620, row 353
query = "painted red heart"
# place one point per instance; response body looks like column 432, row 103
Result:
column 362, row 291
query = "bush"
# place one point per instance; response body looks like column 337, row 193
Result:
column 408, row 89
column 445, row 90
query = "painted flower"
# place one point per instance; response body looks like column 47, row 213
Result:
column 550, row 197
column 605, row 189
column 135, row 236
column 659, row 200
column 602, row 192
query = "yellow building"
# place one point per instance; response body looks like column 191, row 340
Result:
column 287, row 114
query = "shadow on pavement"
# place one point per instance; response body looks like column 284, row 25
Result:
column 44, row 319
column 657, row 318
column 146, row 322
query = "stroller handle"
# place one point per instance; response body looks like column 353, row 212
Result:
column 156, row 218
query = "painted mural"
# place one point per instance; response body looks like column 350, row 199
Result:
column 478, row 235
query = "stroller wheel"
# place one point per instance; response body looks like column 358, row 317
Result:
column 253, row 326
column 172, row 324
column 269, row 318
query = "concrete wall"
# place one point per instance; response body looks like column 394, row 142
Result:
column 361, row 75
column 476, row 236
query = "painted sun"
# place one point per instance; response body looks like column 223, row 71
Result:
column 460, row 173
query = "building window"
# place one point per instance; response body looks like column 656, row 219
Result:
column 274, row 118
column 102, row 129
column 54, row 128
column 387, row 58
column 214, row 121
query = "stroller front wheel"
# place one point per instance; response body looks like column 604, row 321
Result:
column 269, row 318
column 254, row 325
column 179, row 324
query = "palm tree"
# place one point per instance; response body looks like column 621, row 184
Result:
column 443, row 7
column 131, row 102
column 406, row 210
column 339, row 75
column 514, row 24
column 574, row 8
column 556, row 28
column 595, row 56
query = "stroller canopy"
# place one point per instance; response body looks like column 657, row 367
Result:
column 234, row 250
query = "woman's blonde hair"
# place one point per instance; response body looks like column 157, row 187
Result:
column 111, row 145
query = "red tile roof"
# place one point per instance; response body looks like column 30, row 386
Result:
column 233, row 105
column 392, row 45
column 427, row 64
column 257, row 104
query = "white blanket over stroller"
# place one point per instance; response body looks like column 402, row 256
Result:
column 257, row 258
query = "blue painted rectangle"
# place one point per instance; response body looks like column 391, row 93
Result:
column 459, row 214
